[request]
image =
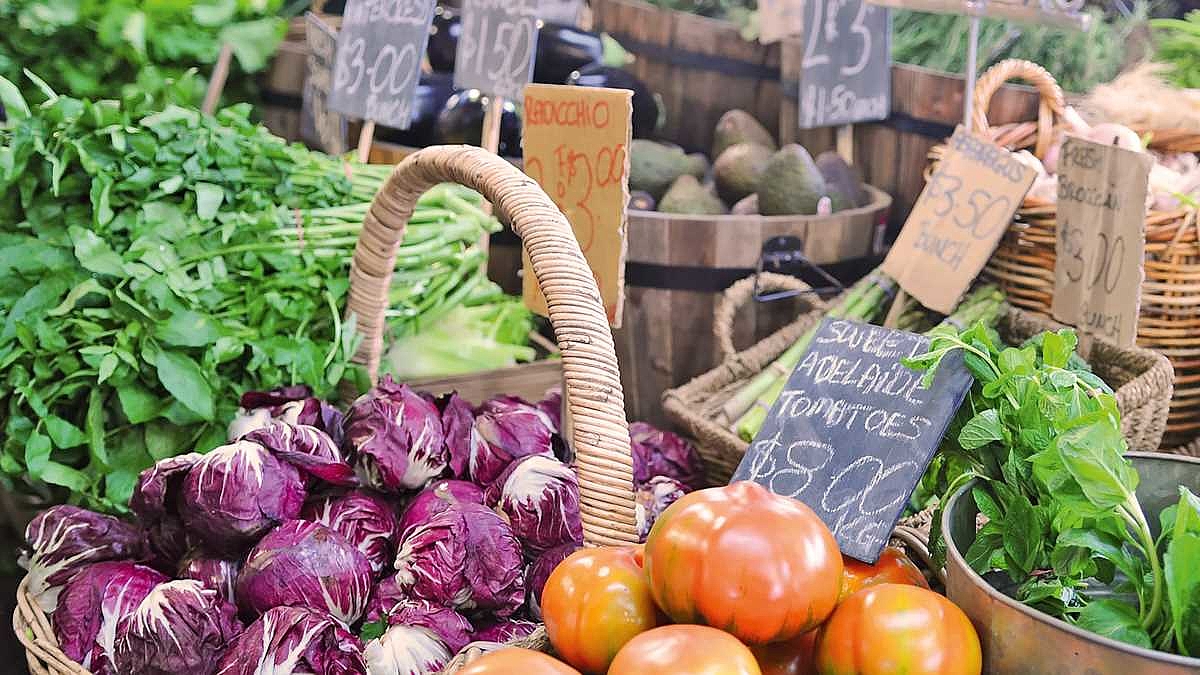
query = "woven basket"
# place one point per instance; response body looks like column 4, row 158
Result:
column 1141, row 378
column 593, row 387
column 1023, row 264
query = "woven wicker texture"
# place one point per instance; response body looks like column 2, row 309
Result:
column 1023, row 264
column 1141, row 378
column 600, row 434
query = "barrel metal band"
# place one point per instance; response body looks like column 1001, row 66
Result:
column 709, row 62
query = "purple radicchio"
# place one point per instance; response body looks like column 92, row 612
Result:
column 406, row 650
column 540, row 496
column 465, row 557
column 452, row 628
column 217, row 574
column 155, row 503
column 539, row 571
column 305, row 564
column 293, row 405
column 63, row 539
column 366, row 520
column 435, row 498
column 458, row 425
column 93, row 605
column 652, row 499
column 308, row 449
column 237, row 493
column 397, row 437
column 552, row 406
column 506, row 630
column 180, row 627
column 510, row 429
column 293, row 641
column 662, row 453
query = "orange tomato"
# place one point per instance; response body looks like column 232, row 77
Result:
column 594, row 602
column 897, row 628
column 739, row 558
column 512, row 660
column 684, row 650
column 794, row 657
column 893, row 567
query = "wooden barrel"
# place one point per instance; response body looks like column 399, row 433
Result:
column 677, row 268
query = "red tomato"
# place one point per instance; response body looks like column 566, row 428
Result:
column 594, row 602
column 684, row 650
column 512, row 660
column 794, row 657
column 897, row 628
column 893, row 567
column 739, row 558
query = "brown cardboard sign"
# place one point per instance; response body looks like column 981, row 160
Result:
column 957, row 221
column 319, row 125
column 576, row 147
column 1101, row 239
column 778, row 19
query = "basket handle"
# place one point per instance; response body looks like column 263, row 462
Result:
column 741, row 292
column 1051, row 103
column 589, row 363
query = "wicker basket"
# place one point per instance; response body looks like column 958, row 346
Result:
column 1141, row 378
column 1023, row 264
column 593, row 387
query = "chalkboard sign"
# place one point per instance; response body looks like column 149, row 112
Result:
column 497, row 46
column 846, row 73
column 378, row 59
column 853, row 430
column 318, row 125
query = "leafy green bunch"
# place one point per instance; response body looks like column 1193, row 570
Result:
column 104, row 48
column 1043, row 436
column 1179, row 46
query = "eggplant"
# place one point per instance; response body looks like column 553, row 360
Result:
column 337, row 7
column 563, row 49
column 443, row 39
column 433, row 90
column 645, row 106
column 461, row 121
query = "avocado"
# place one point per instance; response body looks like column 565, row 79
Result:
column 842, row 182
column 738, row 169
column 654, row 166
column 641, row 201
column 697, row 164
column 748, row 206
column 739, row 126
column 791, row 184
column 688, row 196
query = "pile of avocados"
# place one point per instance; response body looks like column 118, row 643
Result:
column 751, row 175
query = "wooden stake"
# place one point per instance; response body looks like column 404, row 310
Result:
column 897, row 309
column 216, row 83
column 845, row 142
column 491, row 142
column 365, row 137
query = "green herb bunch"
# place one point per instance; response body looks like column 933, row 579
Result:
column 1043, row 435
column 1179, row 46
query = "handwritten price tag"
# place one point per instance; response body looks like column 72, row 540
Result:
column 1101, row 242
column 961, row 214
column 379, row 59
column 846, row 74
column 497, row 46
column 576, row 147
column 318, row 124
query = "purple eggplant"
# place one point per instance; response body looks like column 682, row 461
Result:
column 645, row 105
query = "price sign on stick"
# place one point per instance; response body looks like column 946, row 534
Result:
column 576, row 147
column 846, row 72
column 853, row 430
column 966, row 206
column 318, row 124
column 497, row 46
column 378, row 59
column 1101, row 242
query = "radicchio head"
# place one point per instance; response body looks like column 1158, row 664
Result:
column 652, row 499
column 293, row 405
column 217, row 574
column 435, row 498
column 540, row 496
column 155, row 503
column 510, row 429
column 180, row 627
column 397, row 437
column 308, row 449
column 293, row 641
column 662, row 453
column 366, row 520
column 458, row 425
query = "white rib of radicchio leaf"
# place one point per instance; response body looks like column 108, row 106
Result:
column 406, row 650
column 305, row 564
column 293, row 641
column 180, row 627
column 366, row 520
column 92, row 606
column 397, row 437
column 63, row 539
column 308, row 449
column 540, row 496
column 218, row 574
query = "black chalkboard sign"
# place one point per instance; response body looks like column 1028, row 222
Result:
column 854, row 430
column 497, row 46
column 846, row 71
column 378, row 59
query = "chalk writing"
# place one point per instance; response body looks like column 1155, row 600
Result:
column 495, row 52
column 845, row 73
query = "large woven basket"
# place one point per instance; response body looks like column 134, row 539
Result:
column 1142, row 379
column 1023, row 264
column 593, row 386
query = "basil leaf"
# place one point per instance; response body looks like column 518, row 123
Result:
column 181, row 377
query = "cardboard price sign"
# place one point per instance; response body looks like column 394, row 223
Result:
column 576, row 147
column 779, row 19
column 957, row 221
column 378, row 59
column 1101, row 239
column 853, row 430
column 846, row 72
column 318, row 124
column 497, row 46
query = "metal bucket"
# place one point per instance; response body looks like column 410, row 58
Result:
column 1019, row 640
